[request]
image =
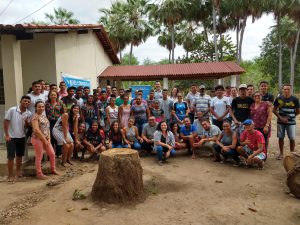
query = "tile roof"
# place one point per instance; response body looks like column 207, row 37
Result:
column 209, row 70
column 36, row 28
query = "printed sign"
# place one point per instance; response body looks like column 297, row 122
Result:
column 74, row 81
column 145, row 88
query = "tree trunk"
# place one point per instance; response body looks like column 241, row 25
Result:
column 294, row 58
column 237, row 41
column 173, row 43
column 170, row 53
column 292, row 166
column 187, row 54
column 119, row 178
column 120, row 52
column 215, row 34
column 280, row 53
column 242, row 31
column 292, row 76
column 130, row 53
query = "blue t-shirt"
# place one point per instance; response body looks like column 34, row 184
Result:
column 187, row 132
column 180, row 109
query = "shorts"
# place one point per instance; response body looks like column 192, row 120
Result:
column 59, row 136
column 261, row 156
column 15, row 147
column 290, row 130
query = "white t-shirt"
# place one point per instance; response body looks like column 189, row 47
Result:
column 46, row 93
column 80, row 102
column 34, row 98
column 219, row 106
column 190, row 96
column 17, row 121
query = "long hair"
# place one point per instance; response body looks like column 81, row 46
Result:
column 71, row 114
column 112, row 131
column 159, row 126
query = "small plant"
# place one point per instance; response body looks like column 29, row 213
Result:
column 77, row 195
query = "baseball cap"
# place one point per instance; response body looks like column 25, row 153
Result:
column 243, row 86
column 202, row 87
column 248, row 122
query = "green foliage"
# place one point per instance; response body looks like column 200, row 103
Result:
column 61, row 16
column 126, row 60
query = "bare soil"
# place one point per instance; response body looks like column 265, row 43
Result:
column 183, row 191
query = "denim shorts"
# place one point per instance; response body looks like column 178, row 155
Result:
column 290, row 130
column 261, row 156
column 15, row 147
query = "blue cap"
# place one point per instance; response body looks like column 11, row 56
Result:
column 248, row 122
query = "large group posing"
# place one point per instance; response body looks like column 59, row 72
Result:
column 67, row 123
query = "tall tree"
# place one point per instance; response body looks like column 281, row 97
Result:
column 61, row 16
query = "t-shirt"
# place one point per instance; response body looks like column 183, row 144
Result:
column 149, row 131
column 69, row 102
column 140, row 112
column 157, row 113
column 94, row 138
column 268, row 98
column 287, row 108
column 199, row 129
column 119, row 101
column 220, row 106
column 54, row 112
column 241, row 108
column 190, row 96
column 212, row 131
column 180, row 109
column 201, row 104
column 34, row 98
column 17, row 121
column 255, row 139
column 260, row 114
column 167, row 106
column 158, row 95
column 188, row 131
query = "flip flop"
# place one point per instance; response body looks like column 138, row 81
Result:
column 11, row 180
column 279, row 157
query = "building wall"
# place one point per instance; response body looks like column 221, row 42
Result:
column 0, row 57
column 80, row 55
column 38, row 59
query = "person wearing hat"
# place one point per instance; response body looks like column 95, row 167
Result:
column 240, row 106
column 201, row 103
column 253, row 147
column 69, row 100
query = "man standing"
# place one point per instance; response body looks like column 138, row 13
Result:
column 86, row 93
column 166, row 104
column 35, row 96
column 286, row 108
column 250, row 90
column 69, row 100
column 202, row 103
column 148, row 134
column 190, row 98
column 14, row 128
column 263, row 89
column 43, row 87
column 220, row 107
column 119, row 100
column 62, row 89
column 240, row 106
column 78, row 97
column 158, row 91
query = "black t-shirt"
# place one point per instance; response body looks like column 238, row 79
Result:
column 241, row 108
column 268, row 98
column 94, row 138
column 287, row 108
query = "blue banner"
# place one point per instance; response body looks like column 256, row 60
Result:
column 145, row 88
column 76, row 81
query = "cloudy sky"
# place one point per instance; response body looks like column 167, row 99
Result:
column 87, row 12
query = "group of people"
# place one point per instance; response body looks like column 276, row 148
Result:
column 67, row 121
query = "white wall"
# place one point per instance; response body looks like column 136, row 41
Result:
column 80, row 55
column 38, row 59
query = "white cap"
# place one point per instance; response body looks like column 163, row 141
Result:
column 243, row 86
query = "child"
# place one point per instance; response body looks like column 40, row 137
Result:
column 157, row 112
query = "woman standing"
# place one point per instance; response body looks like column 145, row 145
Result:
column 226, row 143
column 54, row 109
column 140, row 112
column 124, row 112
column 90, row 112
column 180, row 110
column 61, row 132
column 112, row 111
column 174, row 94
column 41, row 140
column 116, row 136
column 131, row 135
column 164, row 142
column 261, row 114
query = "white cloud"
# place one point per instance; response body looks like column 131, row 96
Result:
column 87, row 12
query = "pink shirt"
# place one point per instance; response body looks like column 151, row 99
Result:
column 260, row 114
column 255, row 139
column 62, row 94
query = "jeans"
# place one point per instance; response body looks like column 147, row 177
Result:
column 120, row 145
column 140, row 124
column 231, row 153
column 136, row 145
column 160, row 152
column 147, row 147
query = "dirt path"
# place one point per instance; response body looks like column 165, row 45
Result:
column 184, row 191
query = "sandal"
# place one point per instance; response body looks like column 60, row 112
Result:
column 10, row 180
column 279, row 157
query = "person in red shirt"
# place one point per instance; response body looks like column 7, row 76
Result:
column 252, row 147
column 62, row 89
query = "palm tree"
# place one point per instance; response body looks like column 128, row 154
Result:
column 169, row 13
column 61, row 16
column 165, row 40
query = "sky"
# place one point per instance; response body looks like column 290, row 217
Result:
column 87, row 12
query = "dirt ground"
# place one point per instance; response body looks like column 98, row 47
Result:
column 182, row 192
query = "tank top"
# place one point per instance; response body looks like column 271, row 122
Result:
column 113, row 113
column 130, row 133
column 226, row 139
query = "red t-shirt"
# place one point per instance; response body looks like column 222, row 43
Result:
column 255, row 139
column 260, row 114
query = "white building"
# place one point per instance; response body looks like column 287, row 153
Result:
column 32, row 52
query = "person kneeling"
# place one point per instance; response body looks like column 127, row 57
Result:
column 116, row 136
column 164, row 142
column 253, row 145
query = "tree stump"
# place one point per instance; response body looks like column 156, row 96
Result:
column 119, row 178
column 292, row 166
